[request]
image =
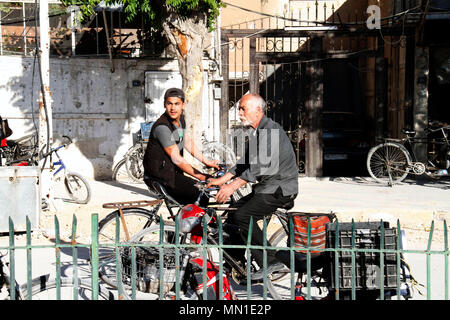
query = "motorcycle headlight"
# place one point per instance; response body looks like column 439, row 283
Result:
column 187, row 224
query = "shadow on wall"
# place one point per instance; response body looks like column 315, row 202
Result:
column 90, row 105
column 101, row 111
column 20, row 89
column 96, row 141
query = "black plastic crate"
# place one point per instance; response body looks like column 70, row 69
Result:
column 367, row 264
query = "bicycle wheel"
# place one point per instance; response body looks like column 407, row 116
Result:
column 43, row 288
column 77, row 188
column 281, row 285
column 136, row 219
column 120, row 173
column 134, row 163
column 279, row 239
column 148, row 264
column 388, row 162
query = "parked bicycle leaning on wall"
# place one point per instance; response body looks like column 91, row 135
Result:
column 392, row 160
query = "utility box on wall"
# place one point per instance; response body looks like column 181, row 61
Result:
column 19, row 197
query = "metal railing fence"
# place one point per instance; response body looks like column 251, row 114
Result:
column 337, row 251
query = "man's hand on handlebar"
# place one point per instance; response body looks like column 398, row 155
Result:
column 217, row 181
column 201, row 176
column 212, row 163
column 226, row 190
column 224, row 193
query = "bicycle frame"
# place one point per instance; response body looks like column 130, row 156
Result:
column 59, row 163
column 408, row 142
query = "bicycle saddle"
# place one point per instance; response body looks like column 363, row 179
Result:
column 161, row 193
column 289, row 205
column 409, row 132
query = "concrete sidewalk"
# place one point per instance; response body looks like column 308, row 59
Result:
column 412, row 202
column 415, row 203
column 361, row 198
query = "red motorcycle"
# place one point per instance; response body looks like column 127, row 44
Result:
column 160, row 248
column 181, row 242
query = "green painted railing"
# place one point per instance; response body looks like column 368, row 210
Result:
column 95, row 263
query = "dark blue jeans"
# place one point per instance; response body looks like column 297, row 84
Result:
column 184, row 192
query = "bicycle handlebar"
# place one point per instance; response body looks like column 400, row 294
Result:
column 201, row 185
column 68, row 138
column 438, row 129
column 44, row 155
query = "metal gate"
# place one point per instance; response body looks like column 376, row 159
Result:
column 282, row 85
column 286, row 67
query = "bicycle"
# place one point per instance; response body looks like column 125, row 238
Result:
column 391, row 161
column 23, row 152
column 76, row 186
column 44, row 288
column 155, row 265
column 20, row 152
column 130, row 168
column 135, row 154
column 132, row 217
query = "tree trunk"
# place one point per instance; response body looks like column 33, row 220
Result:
column 187, row 36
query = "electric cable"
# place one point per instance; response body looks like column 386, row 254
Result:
column 316, row 22
column 28, row 19
column 38, row 55
column 36, row 142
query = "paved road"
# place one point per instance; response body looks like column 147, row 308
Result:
column 361, row 197
column 415, row 203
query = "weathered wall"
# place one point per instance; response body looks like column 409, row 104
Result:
column 95, row 107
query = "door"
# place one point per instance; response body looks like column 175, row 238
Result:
column 156, row 84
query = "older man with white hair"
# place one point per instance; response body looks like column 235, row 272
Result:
column 271, row 165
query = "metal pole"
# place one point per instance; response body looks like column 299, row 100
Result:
column 94, row 256
column 72, row 24
column 1, row 37
column 45, row 103
column 24, row 30
column 108, row 40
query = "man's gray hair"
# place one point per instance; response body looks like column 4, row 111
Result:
column 256, row 100
column 260, row 102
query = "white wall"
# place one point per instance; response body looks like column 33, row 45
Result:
column 95, row 107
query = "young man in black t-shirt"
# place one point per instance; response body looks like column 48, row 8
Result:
column 163, row 159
